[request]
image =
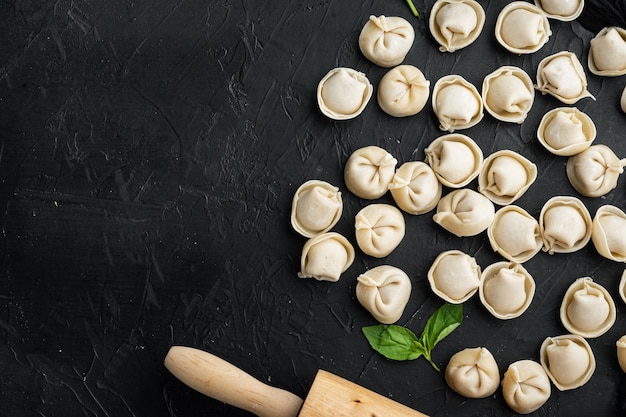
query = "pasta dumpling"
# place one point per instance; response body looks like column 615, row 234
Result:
column 568, row 361
column 621, row 352
column 403, row 91
column 455, row 24
column 506, row 176
column 515, row 234
column 316, row 207
column 454, row 276
column 386, row 41
column 455, row 158
column 415, row 187
column 525, row 386
column 607, row 52
column 563, row 10
column 587, row 309
column 464, row 212
column 343, row 93
column 562, row 76
column 522, row 28
column 368, row 172
column 325, row 257
column 594, row 172
column 379, row 229
column 566, row 131
column 566, row 225
column 508, row 94
column 608, row 229
column 457, row 103
column 384, row 291
column 506, row 289
column 473, row 373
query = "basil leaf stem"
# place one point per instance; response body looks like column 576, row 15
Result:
column 413, row 9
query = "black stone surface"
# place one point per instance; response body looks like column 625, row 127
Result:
column 149, row 154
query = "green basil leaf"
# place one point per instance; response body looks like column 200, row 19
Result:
column 443, row 321
column 393, row 342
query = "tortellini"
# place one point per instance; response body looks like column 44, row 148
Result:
column 316, row 207
column 621, row 352
column 607, row 232
column 622, row 286
column 506, row 289
column 607, row 52
column 515, row 234
column 455, row 158
column 455, row 24
column 415, row 187
column 506, row 176
column 566, row 131
column 522, row 28
column 386, row 41
column 622, row 101
column 325, row 257
column 587, row 309
column 594, row 172
column 379, row 229
column 525, row 386
column 343, row 93
column 565, row 223
column 403, row 91
column 457, row 103
column 454, row 276
column 368, row 172
column 562, row 76
column 564, row 10
column 384, row 291
column 568, row 361
column 508, row 94
column 473, row 373
column 464, row 212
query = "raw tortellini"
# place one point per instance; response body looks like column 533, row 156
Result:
column 607, row 52
column 525, row 386
column 622, row 286
column 508, row 94
column 594, row 172
column 455, row 24
column 325, row 257
column 473, row 373
column 564, row 10
column 316, row 208
column 515, row 234
column 464, row 212
column 415, row 187
column 379, row 229
column 343, row 93
column 566, row 131
column 457, row 103
column 621, row 352
column 505, row 176
column 522, row 28
column 368, row 172
column 454, row 276
column 384, row 291
column 622, row 101
column 562, row 76
column 386, row 41
column 506, row 289
column 607, row 232
column 587, row 309
column 566, row 225
column 568, row 361
column 403, row 91
column 455, row 158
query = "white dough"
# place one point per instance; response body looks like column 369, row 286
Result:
column 379, row 229
column 343, row 93
column 369, row 171
column 386, row 41
column 384, row 291
column 403, row 91
column 455, row 24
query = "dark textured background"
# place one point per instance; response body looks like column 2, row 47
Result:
column 149, row 153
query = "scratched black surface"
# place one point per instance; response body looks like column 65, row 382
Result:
column 150, row 151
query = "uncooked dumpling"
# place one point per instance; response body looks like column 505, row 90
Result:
column 457, row 103
column 566, row 131
column 454, row 276
column 515, row 234
column 464, row 212
column 607, row 52
column 525, row 386
column 379, row 229
column 562, row 76
column 568, row 361
column 522, row 28
column 563, row 10
column 594, row 172
column 506, row 289
column 386, row 41
column 505, row 176
column 325, row 257
column 455, row 24
column 403, row 91
column 415, row 187
column 508, row 94
column 343, row 93
column 622, row 286
column 565, row 224
column 316, row 207
column 622, row 102
column 455, row 158
column 621, row 352
column 587, row 309
column 384, row 291
column 368, row 172
column 607, row 232
column 473, row 373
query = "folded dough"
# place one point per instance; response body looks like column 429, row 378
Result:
column 473, row 373
column 563, row 10
column 343, row 93
column 525, row 386
column 384, row 291
column 325, row 257
column 522, row 28
column 403, row 91
column 587, row 309
column 594, row 172
column 607, row 232
column 621, row 352
column 506, row 289
column 455, row 158
column 455, row 24
column 562, row 76
column 457, row 103
column 565, row 225
column 454, row 276
column 386, row 41
column 368, row 172
column 508, row 94
column 515, row 234
column 379, row 229
column 568, row 361
column 464, row 212
column 415, row 187
column 316, row 207
column 506, row 176
column 566, row 131
column 607, row 52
